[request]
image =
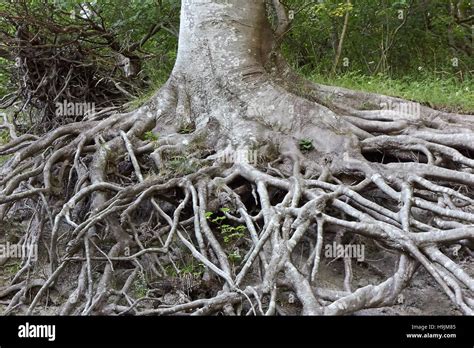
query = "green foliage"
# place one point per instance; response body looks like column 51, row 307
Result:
column 440, row 91
column 215, row 220
column 4, row 158
column 171, row 271
column 195, row 269
column 183, row 165
column 4, row 136
column 390, row 37
column 329, row 8
column 140, row 286
column 98, row 30
column 411, row 49
column 177, row 163
column 306, row 145
column 230, row 233
column 150, row 136
column 235, row 257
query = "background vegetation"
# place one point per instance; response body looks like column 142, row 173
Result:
column 419, row 49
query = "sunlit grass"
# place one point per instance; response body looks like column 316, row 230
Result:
column 447, row 93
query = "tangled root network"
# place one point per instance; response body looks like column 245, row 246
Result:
column 125, row 214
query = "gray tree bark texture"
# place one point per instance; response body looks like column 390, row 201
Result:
column 150, row 212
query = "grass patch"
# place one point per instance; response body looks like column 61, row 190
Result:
column 442, row 93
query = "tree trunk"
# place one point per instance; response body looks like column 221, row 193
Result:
column 222, row 48
column 341, row 40
column 223, row 37
column 225, row 73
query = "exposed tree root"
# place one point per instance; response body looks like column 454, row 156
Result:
column 145, row 218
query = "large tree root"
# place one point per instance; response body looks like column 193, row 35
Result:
column 134, row 216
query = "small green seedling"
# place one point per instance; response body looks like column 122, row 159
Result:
column 235, row 257
column 306, row 145
column 232, row 233
column 150, row 136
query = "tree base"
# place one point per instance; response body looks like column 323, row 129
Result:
column 200, row 219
